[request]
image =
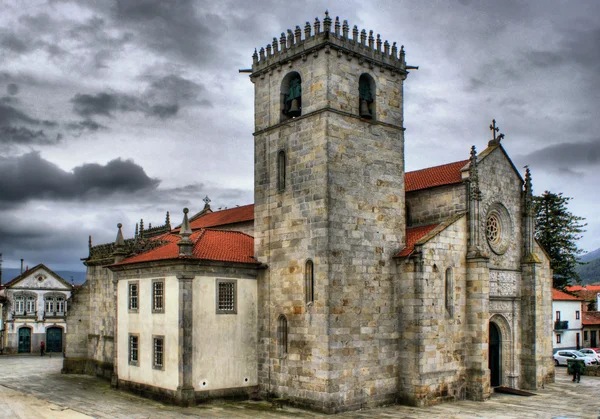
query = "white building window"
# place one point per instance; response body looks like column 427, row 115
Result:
column 20, row 305
column 158, row 296
column 134, row 349
column 558, row 338
column 61, row 305
column 133, row 295
column 30, row 304
column 577, row 315
column 226, row 296
column 49, row 307
column 159, row 351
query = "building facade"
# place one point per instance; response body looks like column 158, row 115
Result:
column 567, row 310
column 34, row 311
column 371, row 285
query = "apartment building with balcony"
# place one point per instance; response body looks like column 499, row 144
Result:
column 568, row 313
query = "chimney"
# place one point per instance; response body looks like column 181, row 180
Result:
column 21, row 266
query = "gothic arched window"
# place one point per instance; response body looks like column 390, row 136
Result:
column 449, row 292
column 281, row 166
column 291, row 95
column 309, row 280
column 282, row 336
column 366, row 96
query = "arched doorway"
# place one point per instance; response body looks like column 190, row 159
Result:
column 495, row 359
column 24, row 340
column 54, row 339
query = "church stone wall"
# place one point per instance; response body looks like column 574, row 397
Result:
column 433, row 205
column 500, row 184
column 245, row 227
column 433, row 345
column 100, row 309
column 342, row 208
column 78, row 325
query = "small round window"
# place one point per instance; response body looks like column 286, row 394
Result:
column 498, row 228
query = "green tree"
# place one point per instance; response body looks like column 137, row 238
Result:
column 558, row 231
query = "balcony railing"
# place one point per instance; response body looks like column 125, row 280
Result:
column 561, row 325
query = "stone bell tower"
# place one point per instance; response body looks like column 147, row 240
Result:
column 329, row 214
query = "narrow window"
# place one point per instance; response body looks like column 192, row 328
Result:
column 577, row 315
column 291, row 90
column 20, row 305
column 558, row 316
column 60, row 305
column 309, row 281
column 558, row 338
column 449, row 292
column 281, row 163
column 585, row 335
column 159, row 348
column 133, row 296
column 158, row 294
column 30, row 304
column 49, row 308
column 577, row 342
column 133, row 349
column 282, row 336
column 226, row 296
column 366, row 95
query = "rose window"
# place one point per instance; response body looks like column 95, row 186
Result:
column 498, row 228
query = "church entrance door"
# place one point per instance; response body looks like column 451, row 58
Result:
column 24, row 340
column 494, row 355
column 54, row 339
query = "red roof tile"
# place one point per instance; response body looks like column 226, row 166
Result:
column 558, row 295
column 446, row 174
column 217, row 245
column 223, row 217
column 590, row 318
column 586, row 292
column 413, row 235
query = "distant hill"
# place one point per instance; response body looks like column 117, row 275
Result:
column 590, row 272
column 76, row 277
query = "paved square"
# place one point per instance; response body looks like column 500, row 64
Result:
column 31, row 387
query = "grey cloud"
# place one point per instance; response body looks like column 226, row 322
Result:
column 12, row 89
column 86, row 125
column 29, row 176
column 565, row 157
column 12, row 42
column 16, row 127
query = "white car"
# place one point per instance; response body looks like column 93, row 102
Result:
column 595, row 352
column 561, row 357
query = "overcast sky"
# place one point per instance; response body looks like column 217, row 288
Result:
column 112, row 111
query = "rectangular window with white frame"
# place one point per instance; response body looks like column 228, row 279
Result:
column 558, row 316
column 558, row 338
column 133, row 295
column 226, row 296
column 577, row 315
column 158, row 295
column 134, row 349
column 158, row 343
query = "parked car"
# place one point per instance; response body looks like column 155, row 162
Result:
column 561, row 357
column 595, row 352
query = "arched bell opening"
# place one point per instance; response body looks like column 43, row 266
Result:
column 291, row 96
column 366, row 97
column 495, row 355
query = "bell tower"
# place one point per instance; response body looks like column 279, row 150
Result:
column 329, row 214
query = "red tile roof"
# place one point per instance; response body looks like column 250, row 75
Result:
column 563, row 296
column 446, row 174
column 590, row 318
column 413, row 235
column 223, row 217
column 586, row 292
column 216, row 245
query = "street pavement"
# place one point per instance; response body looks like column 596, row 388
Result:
column 31, row 387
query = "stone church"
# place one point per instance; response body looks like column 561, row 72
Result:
column 349, row 282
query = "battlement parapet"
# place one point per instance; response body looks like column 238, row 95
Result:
column 335, row 39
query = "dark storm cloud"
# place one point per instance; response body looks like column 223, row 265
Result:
column 16, row 127
column 162, row 99
column 172, row 28
column 12, row 89
column 86, row 125
column 567, row 158
column 29, row 176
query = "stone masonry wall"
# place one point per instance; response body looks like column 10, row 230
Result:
column 433, row 339
column 429, row 206
column 78, row 326
column 343, row 208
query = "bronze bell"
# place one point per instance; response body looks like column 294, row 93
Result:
column 294, row 108
column 364, row 109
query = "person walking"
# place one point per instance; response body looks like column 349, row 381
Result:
column 576, row 369
column 42, row 348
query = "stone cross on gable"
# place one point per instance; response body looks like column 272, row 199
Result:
column 495, row 140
